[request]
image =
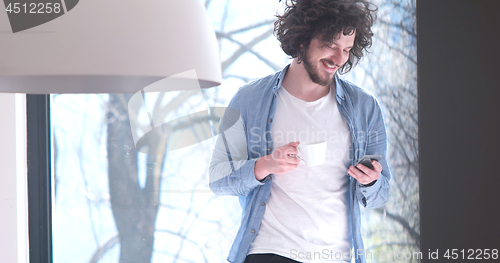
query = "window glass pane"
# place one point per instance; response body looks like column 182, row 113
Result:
column 390, row 73
column 112, row 201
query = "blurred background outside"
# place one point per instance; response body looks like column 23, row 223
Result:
column 112, row 203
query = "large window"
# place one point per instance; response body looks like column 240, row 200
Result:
column 112, row 203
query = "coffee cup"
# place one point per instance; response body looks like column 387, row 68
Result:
column 312, row 153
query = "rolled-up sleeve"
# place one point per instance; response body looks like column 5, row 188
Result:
column 377, row 194
column 230, row 170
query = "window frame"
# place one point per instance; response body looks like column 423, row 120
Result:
column 38, row 143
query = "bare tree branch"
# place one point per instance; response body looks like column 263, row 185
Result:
column 104, row 248
column 399, row 26
column 403, row 223
column 391, row 244
column 81, row 157
column 245, row 79
column 243, row 29
column 397, row 50
column 184, row 237
column 248, row 47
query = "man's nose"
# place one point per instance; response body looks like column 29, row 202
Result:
column 339, row 57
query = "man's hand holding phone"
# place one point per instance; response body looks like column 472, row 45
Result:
column 367, row 170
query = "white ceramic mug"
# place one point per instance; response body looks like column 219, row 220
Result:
column 312, row 153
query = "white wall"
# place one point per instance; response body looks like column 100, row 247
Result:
column 13, row 186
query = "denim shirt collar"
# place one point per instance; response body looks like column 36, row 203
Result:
column 339, row 89
column 281, row 76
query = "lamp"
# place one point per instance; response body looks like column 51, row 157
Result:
column 111, row 46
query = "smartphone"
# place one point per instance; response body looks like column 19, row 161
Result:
column 367, row 160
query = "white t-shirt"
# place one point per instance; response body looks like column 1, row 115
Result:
column 307, row 216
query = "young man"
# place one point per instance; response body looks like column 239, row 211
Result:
column 294, row 212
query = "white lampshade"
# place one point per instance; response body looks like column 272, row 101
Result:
column 110, row 46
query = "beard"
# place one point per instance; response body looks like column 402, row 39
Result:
column 313, row 72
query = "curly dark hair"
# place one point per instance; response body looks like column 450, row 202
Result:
column 304, row 20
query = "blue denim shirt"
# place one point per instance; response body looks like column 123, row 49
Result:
column 235, row 153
